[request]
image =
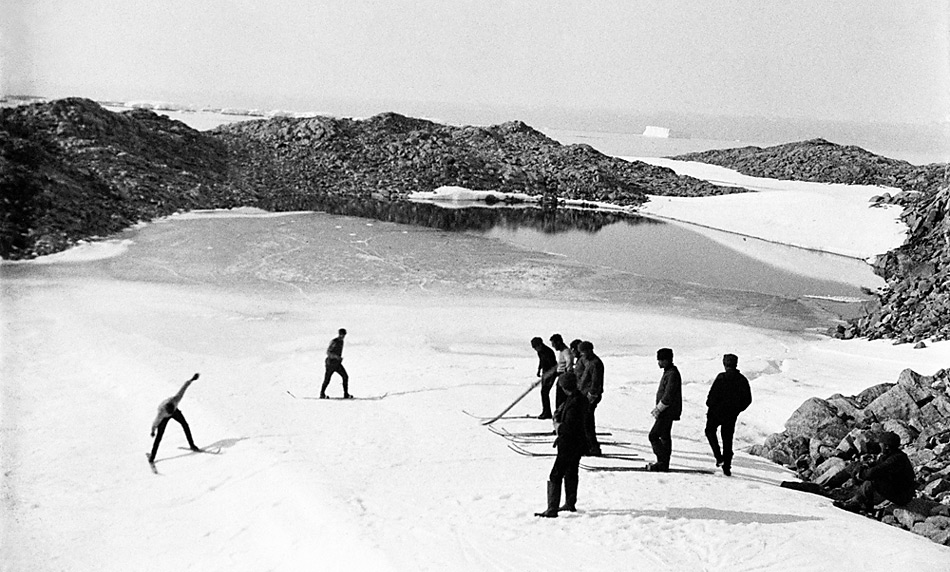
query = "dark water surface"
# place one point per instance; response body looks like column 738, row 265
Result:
column 617, row 240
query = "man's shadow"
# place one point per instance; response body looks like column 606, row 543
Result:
column 705, row 513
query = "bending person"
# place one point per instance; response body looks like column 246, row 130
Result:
column 169, row 410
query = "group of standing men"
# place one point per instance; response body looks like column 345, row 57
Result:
column 579, row 376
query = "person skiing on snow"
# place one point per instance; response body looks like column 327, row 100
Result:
column 729, row 396
column 571, row 442
column 334, row 364
column 168, row 409
column 669, row 407
column 547, row 371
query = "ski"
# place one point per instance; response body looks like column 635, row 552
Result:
column 615, row 456
column 367, row 398
column 214, row 451
column 550, row 440
column 587, row 467
column 513, row 403
column 505, row 433
column 481, row 418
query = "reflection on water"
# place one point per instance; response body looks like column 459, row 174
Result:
column 617, row 240
column 547, row 221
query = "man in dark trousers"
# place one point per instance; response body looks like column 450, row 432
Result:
column 890, row 477
column 729, row 396
column 592, row 387
column 547, row 371
column 571, row 442
column 334, row 364
column 168, row 409
column 669, row 407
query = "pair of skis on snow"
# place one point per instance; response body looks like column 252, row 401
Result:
column 517, row 442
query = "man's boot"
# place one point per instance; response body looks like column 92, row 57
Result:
column 554, row 499
column 570, row 493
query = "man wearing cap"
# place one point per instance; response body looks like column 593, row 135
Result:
column 891, row 477
column 571, row 443
column 729, row 396
column 669, row 407
column 591, row 385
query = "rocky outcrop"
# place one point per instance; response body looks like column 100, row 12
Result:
column 71, row 170
column 825, row 440
column 915, row 304
column 392, row 156
column 821, row 161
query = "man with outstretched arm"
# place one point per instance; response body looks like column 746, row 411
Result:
column 169, row 410
column 669, row 407
column 334, row 364
column 729, row 396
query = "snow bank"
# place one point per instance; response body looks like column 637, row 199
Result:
column 831, row 218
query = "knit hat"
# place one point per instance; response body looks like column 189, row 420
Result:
column 891, row 439
column 664, row 353
column 567, row 381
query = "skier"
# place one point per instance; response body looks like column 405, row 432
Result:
column 547, row 371
column 729, row 396
column 565, row 363
column 592, row 387
column 334, row 364
column 571, row 442
column 169, row 410
column 669, row 407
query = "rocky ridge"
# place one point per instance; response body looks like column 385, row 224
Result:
column 392, row 156
column 826, row 439
column 915, row 304
column 71, row 170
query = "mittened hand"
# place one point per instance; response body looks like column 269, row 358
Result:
column 194, row 377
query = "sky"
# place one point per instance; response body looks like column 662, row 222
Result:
column 854, row 60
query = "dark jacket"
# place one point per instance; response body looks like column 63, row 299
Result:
column 670, row 392
column 570, row 418
column 729, row 395
column 591, row 381
column 893, row 476
column 546, row 358
column 335, row 350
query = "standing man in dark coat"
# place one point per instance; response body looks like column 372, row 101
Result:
column 571, row 442
column 729, row 396
column 890, row 477
column 669, row 407
column 592, row 387
column 334, row 364
column 547, row 371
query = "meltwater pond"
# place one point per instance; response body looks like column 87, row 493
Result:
column 630, row 243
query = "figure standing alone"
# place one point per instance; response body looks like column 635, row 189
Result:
column 669, row 407
column 168, row 409
column 729, row 396
column 334, row 364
